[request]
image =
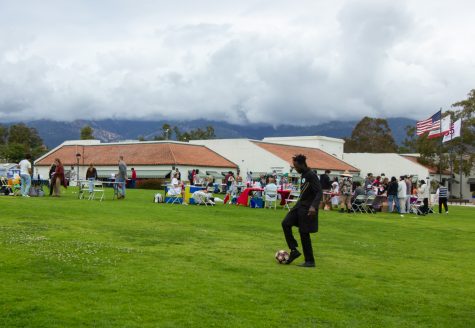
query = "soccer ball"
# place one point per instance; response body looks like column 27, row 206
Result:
column 282, row 256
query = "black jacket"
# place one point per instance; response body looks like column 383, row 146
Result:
column 325, row 182
column 310, row 195
column 310, row 190
column 392, row 188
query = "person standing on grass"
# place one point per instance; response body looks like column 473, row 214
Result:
column 25, row 175
column 392, row 195
column 423, row 192
column 52, row 169
column 443, row 194
column 133, row 178
column 401, row 194
column 408, row 193
column 122, row 178
column 91, row 176
column 304, row 214
column 59, row 178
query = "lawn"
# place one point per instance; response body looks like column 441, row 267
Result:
column 66, row 262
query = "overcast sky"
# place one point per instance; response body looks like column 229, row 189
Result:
column 301, row 62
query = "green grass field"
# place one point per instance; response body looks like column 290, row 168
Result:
column 75, row 263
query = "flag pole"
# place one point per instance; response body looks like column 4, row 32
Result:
column 461, row 158
column 440, row 149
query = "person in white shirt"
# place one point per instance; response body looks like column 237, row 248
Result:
column 401, row 194
column 270, row 191
column 335, row 191
column 25, row 175
column 423, row 192
column 175, row 188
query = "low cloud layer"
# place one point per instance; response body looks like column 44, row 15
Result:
column 302, row 62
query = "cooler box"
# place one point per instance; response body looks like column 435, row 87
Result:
column 189, row 190
column 256, row 203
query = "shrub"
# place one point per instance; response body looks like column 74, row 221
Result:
column 155, row 184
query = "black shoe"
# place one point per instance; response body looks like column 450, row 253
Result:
column 307, row 265
column 293, row 255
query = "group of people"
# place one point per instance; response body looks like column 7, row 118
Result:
column 343, row 192
column 56, row 175
column 58, row 178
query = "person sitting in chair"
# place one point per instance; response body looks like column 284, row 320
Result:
column 201, row 197
column 175, row 188
column 271, row 188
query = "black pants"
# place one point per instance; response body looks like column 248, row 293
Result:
column 443, row 201
column 425, row 208
column 291, row 220
column 51, row 186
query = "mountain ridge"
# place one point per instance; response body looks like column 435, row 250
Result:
column 54, row 133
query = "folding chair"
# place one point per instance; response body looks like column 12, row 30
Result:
column 433, row 204
column 98, row 189
column 4, row 187
column 358, row 204
column 368, row 205
column 83, row 187
column 292, row 198
column 269, row 198
column 416, row 206
column 172, row 198
column 200, row 198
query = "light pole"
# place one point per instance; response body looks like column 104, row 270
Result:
column 78, row 157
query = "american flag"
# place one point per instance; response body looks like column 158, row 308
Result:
column 432, row 123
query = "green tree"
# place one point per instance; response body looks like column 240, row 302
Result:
column 371, row 135
column 22, row 134
column 87, row 133
column 3, row 134
column 431, row 150
column 464, row 147
column 21, row 139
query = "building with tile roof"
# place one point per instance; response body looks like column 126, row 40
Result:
column 150, row 159
column 263, row 157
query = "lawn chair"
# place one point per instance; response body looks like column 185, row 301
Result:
column 4, row 187
column 269, row 198
column 97, row 189
column 292, row 198
column 172, row 198
column 369, row 204
column 83, row 187
column 416, row 206
column 358, row 204
column 433, row 204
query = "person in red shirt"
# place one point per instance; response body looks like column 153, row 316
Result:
column 134, row 177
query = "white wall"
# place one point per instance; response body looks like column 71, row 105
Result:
column 466, row 193
column 333, row 146
column 44, row 170
column 247, row 155
column 389, row 164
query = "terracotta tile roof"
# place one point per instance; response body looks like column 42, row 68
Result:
column 316, row 158
column 160, row 153
column 432, row 169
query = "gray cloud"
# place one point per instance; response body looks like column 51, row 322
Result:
column 241, row 62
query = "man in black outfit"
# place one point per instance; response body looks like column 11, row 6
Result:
column 304, row 214
column 52, row 169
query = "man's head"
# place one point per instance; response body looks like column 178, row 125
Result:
column 401, row 178
column 300, row 163
column 271, row 180
column 121, row 158
column 328, row 171
column 28, row 156
column 91, row 165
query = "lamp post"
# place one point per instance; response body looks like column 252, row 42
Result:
column 78, row 157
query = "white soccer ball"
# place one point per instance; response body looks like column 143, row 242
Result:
column 282, row 256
